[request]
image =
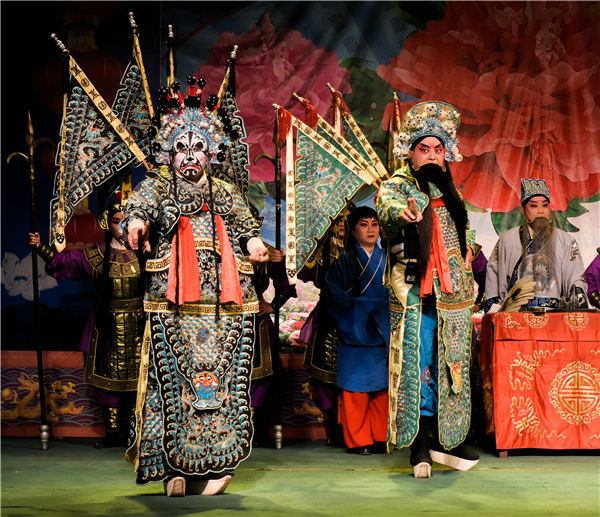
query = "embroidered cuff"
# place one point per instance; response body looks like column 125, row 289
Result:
column 46, row 252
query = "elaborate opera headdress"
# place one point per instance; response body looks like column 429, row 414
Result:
column 431, row 118
column 178, row 115
column 111, row 206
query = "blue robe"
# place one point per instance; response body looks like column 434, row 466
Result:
column 359, row 305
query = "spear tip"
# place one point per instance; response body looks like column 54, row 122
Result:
column 59, row 43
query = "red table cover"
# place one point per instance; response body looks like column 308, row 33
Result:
column 546, row 379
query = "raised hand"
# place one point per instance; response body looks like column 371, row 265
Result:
column 411, row 213
column 138, row 236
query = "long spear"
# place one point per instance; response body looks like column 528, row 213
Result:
column 276, row 161
column 32, row 143
column 277, row 428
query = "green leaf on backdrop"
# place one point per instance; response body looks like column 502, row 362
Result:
column 473, row 208
column 503, row 221
column 256, row 194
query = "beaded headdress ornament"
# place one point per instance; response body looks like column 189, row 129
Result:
column 178, row 115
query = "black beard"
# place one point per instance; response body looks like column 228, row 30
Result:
column 454, row 204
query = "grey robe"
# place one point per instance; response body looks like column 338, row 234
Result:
column 560, row 261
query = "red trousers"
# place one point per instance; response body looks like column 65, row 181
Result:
column 364, row 417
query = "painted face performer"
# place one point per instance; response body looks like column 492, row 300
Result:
column 193, row 412
column 431, row 293
column 540, row 250
column 112, row 336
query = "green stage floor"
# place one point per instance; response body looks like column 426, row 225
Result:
column 302, row 478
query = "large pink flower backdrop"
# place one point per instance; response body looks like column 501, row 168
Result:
column 526, row 79
column 272, row 65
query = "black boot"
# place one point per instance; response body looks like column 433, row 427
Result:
column 112, row 437
column 420, row 458
column 335, row 434
column 461, row 457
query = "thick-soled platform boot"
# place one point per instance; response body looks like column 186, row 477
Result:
column 461, row 457
column 175, row 486
column 210, row 484
column 420, row 458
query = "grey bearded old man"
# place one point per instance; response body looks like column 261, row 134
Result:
column 540, row 250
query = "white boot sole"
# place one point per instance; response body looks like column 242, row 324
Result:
column 175, row 487
column 452, row 461
column 217, row 486
column 422, row 470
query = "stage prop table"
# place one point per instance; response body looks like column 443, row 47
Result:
column 541, row 379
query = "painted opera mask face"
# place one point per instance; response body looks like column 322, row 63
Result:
column 536, row 207
column 190, row 155
column 429, row 150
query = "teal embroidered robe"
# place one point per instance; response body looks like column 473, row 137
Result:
column 454, row 318
column 193, row 410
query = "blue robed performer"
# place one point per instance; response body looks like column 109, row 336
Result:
column 358, row 302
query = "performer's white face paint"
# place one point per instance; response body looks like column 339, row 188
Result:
column 428, row 150
column 113, row 224
column 366, row 232
column 190, row 155
column 537, row 206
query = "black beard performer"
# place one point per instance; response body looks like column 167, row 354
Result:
column 419, row 236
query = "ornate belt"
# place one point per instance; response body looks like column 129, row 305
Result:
column 201, row 308
column 125, row 304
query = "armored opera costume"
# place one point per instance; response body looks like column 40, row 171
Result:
column 321, row 337
column 113, row 333
column 193, row 408
column 318, row 332
column 431, row 296
column 266, row 345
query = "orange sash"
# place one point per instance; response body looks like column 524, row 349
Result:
column 189, row 272
column 438, row 258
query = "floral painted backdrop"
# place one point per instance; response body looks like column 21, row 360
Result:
column 524, row 75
